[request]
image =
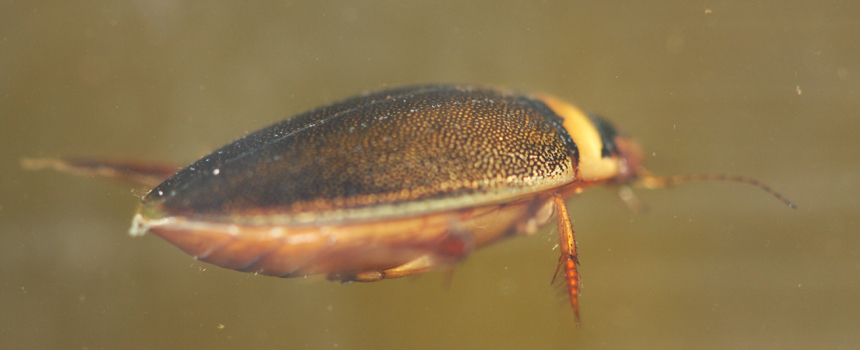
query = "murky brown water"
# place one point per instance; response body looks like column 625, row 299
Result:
column 769, row 89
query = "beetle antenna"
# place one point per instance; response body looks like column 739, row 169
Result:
column 651, row 181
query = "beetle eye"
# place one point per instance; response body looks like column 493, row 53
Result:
column 607, row 135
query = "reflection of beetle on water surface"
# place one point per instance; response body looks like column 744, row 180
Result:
column 388, row 184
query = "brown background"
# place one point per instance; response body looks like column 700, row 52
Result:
column 707, row 87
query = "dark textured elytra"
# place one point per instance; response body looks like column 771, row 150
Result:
column 394, row 146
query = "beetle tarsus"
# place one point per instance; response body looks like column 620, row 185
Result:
column 572, row 281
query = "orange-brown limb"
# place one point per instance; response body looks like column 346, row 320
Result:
column 568, row 259
column 653, row 181
column 149, row 174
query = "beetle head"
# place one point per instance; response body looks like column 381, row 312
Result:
column 629, row 160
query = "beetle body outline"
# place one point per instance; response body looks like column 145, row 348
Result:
column 389, row 184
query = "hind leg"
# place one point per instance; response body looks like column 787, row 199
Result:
column 449, row 249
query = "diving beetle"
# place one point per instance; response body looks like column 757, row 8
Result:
column 388, row 184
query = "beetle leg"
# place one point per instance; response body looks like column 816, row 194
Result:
column 629, row 198
column 145, row 173
column 347, row 278
column 448, row 249
column 539, row 214
column 455, row 245
column 420, row 265
column 568, row 259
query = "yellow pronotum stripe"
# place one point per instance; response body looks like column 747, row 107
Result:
column 592, row 167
